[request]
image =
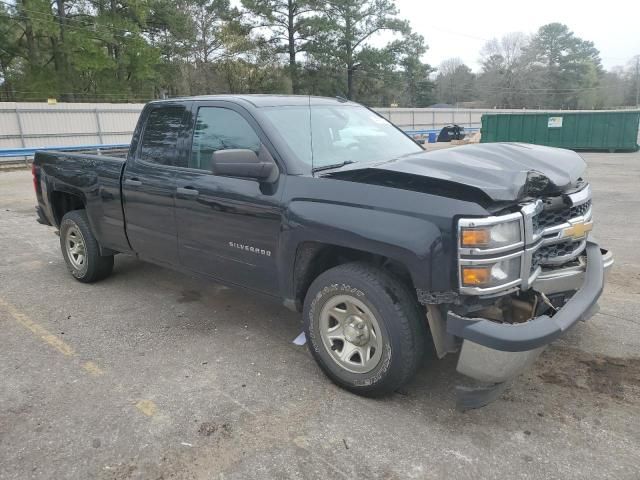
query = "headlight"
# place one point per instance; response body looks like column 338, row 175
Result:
column 479, row 234
column 502, row 272
column 490, row 253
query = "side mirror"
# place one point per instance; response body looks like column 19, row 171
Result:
column 244, row 163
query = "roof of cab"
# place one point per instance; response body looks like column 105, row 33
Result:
column 262, row 100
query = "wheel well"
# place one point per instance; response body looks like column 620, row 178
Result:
column 313, row 259
column 63, row 202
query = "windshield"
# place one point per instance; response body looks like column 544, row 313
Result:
column 324, row 135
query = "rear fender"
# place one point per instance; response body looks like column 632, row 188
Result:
column 64, row 198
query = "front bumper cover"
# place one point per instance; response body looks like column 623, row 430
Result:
column 494, row 353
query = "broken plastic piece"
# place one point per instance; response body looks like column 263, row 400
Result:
column 468, row 398
column 300, row 339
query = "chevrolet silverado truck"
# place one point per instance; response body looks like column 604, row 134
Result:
column 387, row 250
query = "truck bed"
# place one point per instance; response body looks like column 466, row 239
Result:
column 92, row 178
column 114, row 152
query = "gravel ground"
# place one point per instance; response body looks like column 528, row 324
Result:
column 155, row 375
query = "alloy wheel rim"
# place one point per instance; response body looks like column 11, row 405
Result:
column 76, row 248
column 351, row 334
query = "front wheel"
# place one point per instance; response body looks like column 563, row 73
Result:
column 80, row 249
column 364, row 328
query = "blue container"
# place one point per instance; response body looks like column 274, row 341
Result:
column 433, row 137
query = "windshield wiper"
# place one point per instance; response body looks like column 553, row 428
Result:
column 329, row 167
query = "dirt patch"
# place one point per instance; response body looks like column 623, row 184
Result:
column 618, row 378
column 166, row 467
column 188, row 296
column 626, row 277
column 209, row 428
column 119, row 472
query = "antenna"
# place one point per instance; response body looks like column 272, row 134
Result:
column 310, row 131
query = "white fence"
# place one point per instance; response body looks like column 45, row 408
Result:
column 32, row 125
column 37, row 125
column 435, row 118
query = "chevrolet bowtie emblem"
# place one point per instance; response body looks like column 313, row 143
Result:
column 578, row 230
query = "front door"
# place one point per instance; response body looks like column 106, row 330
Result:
column 149, row 185
column 228, row 228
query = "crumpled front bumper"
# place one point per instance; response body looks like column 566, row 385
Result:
column 493, row 353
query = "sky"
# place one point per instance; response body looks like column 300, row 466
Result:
column 459, row 28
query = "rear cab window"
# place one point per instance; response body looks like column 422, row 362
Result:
column 162, row 129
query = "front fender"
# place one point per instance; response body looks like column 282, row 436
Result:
column 414, row 242
column 413, row 228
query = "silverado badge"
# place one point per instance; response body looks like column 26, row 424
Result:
column 249, row 248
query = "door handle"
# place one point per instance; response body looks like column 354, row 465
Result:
column 190, row 191
column 133, row 182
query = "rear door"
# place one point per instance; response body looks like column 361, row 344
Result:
column 228, row 228
column 149, row 184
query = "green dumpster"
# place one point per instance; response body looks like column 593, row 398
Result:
column 612, row 131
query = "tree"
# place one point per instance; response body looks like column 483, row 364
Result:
column 36, row 50
column 124, row 50
column 455, row 82
column 418, row 87
column 9, row 52
column 254, row 71
column 292, row 24
column 376, row 81
column 572, row 65
column 219, row 35
column 505, row 77
column 634, row 81
column 216, row 30
column 613, row 88
column 347, row 26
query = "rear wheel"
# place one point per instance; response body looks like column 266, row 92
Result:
column 80, row 249
column 365, row 329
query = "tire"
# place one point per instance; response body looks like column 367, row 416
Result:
column 399, row 322
column 80, row 249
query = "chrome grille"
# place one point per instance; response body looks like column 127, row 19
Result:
column 550, row 253
column 580, row 210
column 546, row 243
column 535, row 223
column 535, row 263
column 550, row 218
column 548, row 239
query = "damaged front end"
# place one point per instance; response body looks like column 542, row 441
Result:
column 525, row 278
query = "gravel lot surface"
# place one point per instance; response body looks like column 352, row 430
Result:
column 152, row 374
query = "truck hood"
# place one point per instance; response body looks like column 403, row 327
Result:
column 502, row 171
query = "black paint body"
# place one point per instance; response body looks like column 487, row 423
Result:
column 405, row 210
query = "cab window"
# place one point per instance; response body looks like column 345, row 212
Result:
column 220, row 129
column 160, row 137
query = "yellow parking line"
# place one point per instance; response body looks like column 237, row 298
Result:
column 147, row 407
column 92, row 369
column 39, row 330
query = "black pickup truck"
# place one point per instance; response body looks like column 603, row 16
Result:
column 325, row 206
